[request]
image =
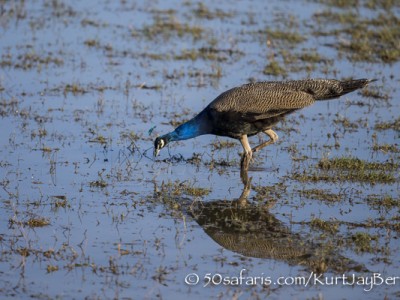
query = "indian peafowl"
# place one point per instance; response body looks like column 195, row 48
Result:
column 256, row 107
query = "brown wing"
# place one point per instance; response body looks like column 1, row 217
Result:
column 261, row 100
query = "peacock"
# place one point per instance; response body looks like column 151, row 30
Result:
column 256, row 107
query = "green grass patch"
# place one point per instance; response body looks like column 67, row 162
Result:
column 355, row 164
column 362, row 241
column 386, row 148
column 320, row 194
column 362, row 39
column 290, row 37
column 275, row 69
column 349, row 169
column 394, row 125
column 326, row 226
column 170, row 26
column 385, row 201
column 178, row 188
column 203, row 12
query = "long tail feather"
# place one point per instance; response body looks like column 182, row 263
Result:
column 352, row 85
column 341, row 88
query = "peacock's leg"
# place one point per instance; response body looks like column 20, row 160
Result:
column 248, row 153
column 273, row 138
column 246, row 146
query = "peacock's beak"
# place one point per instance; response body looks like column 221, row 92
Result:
column 156, row 151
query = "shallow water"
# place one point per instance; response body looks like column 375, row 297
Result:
column 87, row 211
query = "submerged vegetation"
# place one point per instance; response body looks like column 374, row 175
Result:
column 363, row 39
column 351, row 169
column 362, row 241
column 85, row 90
column 324, row 225
column 385, row 125
column 179, row 188
column 167, row 26
column 355, row 164
column 321, row 194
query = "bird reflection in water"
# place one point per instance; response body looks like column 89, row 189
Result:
column 251, row 230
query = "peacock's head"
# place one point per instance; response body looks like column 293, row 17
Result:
column 159, row 143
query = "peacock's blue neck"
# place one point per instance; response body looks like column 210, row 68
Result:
column 188, row 130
